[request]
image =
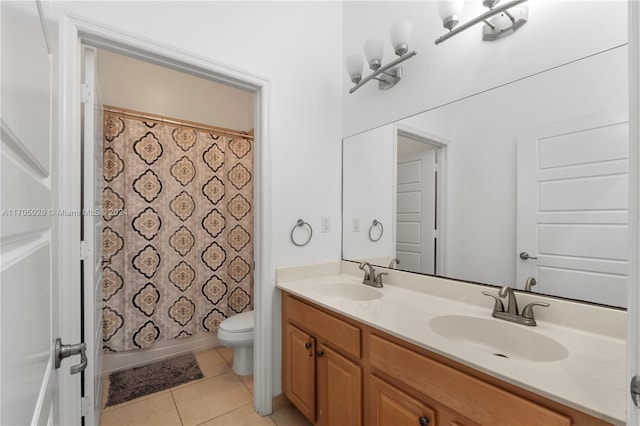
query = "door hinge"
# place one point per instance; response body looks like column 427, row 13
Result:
column 436, row 233
column 436, row 167
column 85, row 94
column 85, row 250
column 85, row 406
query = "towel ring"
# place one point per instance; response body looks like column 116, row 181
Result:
column 301, row 223
column 373, row 225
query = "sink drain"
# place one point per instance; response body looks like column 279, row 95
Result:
column 501, row 355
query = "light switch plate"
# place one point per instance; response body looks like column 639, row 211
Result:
column 325, row 225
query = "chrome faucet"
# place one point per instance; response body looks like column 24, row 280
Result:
column 512, row 303
column 529, row 283
column 512, row 314
column 370, row 277
column 395, row 261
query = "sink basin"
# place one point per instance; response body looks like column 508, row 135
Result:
column 349, row 291
column 499, row 338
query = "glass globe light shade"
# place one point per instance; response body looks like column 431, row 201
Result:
column 400, row 35
column 355, row 64
column 374, row 50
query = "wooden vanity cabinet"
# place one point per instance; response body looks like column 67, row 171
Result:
column 337, row 371
column 321, row 371
column 460, row 395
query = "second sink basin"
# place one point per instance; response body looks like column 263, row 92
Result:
column 499, row 338
column 349, row 291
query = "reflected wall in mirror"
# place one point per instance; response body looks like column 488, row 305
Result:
column 537, row 166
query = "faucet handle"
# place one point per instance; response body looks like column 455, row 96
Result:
column 378, row 278
column 527, row 312
column 498, row 306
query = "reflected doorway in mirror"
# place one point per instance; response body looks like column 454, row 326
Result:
column 419, row 193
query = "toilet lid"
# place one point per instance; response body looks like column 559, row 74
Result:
column 238, row 323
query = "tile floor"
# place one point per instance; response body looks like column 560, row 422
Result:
column 221, row 398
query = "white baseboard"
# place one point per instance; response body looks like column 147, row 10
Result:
column 161, row 350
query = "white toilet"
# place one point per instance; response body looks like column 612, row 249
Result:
column 237, row 332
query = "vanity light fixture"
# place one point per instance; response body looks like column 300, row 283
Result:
column 500, row 20
column 387, row 75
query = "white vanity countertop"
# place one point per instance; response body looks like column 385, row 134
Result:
column 591, row 378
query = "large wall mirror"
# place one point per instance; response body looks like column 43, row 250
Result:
column 527, row 180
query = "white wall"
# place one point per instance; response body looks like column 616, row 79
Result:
column 557, row 32
column 298, row 47
column 142, row 86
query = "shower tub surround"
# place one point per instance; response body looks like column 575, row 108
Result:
column 591, row 378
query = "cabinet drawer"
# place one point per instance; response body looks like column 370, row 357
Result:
column 343, row 336
column 480, row 402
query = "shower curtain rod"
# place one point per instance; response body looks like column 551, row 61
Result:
column 143, row 116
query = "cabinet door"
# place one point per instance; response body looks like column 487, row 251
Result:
column 339, row 389
column 392, row 407
column 299, row 370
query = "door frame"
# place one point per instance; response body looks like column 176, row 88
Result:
column 441, row 145
column 76, row 30
column 633, row 307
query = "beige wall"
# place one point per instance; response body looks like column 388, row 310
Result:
column 133, row 84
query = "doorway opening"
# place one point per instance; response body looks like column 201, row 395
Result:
column 78, row 33
column 182, row 129
column 420, row 201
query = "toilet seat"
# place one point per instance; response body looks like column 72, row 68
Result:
column 240, row 323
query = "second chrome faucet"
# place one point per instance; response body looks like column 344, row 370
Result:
column 370, row 277
column 512, row 313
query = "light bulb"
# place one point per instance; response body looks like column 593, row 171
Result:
column 449, row 12
column 374, row 50
column 354, row 67
column 400, row 34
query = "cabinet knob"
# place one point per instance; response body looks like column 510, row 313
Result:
column 423, row 421
column 307, row 345
column 320, row 354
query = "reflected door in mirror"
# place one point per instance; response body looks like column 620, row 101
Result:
column 416, row 206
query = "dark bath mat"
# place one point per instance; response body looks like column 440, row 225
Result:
column 135, row 382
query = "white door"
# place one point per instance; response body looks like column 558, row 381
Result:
column 416, row 206
column 28, row 295
column 91, row 252
column 572, row 203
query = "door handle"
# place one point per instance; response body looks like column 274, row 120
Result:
column 65, row 351
column 525, row 256
column 635, row 390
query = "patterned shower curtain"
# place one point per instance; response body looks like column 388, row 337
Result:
column 178, row 231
